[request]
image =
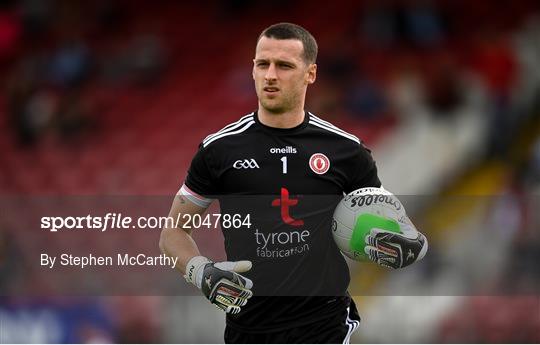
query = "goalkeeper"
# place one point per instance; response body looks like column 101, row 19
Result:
column 285, row 280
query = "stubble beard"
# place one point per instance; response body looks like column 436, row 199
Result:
column 273, row 108
column 277, row 106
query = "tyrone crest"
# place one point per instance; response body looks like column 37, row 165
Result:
column 319, row 163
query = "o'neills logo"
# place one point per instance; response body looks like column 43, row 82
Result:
column 319, row 163
column 286, row 149
column 366, row 200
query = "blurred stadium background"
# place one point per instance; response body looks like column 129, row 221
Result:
column 113, row 97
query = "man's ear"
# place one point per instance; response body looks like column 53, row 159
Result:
column 311, row 74
column 253, row 70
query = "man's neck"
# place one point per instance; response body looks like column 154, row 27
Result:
column 288, row 119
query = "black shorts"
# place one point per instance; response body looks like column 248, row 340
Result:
column 336, row 329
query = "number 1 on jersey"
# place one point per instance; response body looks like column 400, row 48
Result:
column 284, row 160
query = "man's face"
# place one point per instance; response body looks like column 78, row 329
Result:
column 281, row 75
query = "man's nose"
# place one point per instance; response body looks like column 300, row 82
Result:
column 271, row 73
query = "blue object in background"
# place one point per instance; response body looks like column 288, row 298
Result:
column 57, row 321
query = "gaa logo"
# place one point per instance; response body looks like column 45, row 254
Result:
column 246, row 164
column 319, row 163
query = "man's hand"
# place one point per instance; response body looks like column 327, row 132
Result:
column 393, row 250
column 220, row 282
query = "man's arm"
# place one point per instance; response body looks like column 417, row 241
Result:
column 177, row 242
column 223, row 285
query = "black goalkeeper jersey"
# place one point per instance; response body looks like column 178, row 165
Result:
column 289, row 182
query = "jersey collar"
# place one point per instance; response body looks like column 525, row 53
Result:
column 282, row 131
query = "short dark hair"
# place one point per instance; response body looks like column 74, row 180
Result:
column 289, row 31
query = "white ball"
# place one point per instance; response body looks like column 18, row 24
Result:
column 358, row 213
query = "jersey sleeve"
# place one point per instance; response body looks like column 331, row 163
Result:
column 365, row 174
column 200, row 184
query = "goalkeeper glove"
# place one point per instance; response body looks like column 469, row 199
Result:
column 396, row 250
column 220, row 282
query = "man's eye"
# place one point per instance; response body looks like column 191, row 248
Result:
column 262, row 64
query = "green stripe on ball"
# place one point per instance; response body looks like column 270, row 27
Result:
column 364, row 223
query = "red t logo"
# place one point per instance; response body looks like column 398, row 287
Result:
column 285, row 203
